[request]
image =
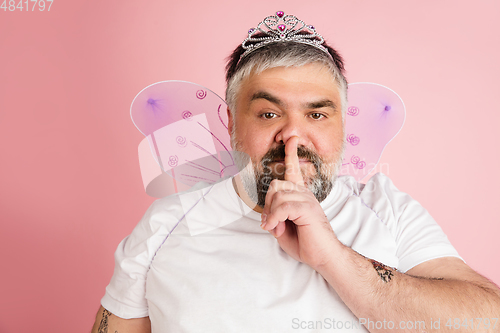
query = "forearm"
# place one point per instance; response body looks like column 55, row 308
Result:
column 106, row 322
column 385, row 294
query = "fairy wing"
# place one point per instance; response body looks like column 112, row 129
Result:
column 374, row 116
column 187, row 140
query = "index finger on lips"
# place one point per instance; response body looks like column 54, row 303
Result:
column 292, row 163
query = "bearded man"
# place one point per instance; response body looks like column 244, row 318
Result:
column 287, row 244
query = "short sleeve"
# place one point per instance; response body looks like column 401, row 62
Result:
column 125, row 294
column 418, row 237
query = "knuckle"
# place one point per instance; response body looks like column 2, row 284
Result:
column 279, row 195
column 286, row 205
column 289, row 187
column 274, row 184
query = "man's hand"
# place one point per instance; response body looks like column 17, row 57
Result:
column 294, row 216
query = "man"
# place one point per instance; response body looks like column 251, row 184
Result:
column 287, row 245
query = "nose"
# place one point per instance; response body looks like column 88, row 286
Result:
column 293, row 125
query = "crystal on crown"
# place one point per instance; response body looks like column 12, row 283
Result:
column 282, row 28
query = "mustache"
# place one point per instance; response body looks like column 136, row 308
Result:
column 264, row 177
column 277, row 154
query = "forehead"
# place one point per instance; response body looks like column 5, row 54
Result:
column 292, row 83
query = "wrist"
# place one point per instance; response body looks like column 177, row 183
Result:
column 333, row 259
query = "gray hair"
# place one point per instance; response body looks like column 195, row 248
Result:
column 281, row 54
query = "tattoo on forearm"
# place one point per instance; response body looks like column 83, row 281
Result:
column 383, row 271
column 103, row 326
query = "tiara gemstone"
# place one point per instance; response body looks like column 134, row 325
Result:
column 281, row 27
column 280, row 14
column 251, row 30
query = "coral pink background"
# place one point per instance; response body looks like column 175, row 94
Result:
column 70, row 184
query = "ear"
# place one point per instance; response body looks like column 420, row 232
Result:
column 230, row 121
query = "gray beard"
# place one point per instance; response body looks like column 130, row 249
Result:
column 257, row 176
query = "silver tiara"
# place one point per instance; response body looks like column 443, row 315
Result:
column 282, row 28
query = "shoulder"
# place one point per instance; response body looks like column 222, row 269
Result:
column 203, row 202
column 167, row 212
column 163, row 213
column 392, row 219
column 379, row 186
column 380, row 195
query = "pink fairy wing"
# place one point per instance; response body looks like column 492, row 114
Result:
column 374, row 116
column 187, row 140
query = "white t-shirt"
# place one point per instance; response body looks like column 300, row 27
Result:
column 199, row 261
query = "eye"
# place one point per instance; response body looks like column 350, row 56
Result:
column 317, row 115
column 268, row 115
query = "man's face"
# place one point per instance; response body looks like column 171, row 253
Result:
column 280, row 103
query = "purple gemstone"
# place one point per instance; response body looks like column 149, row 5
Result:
column 280, row 14
column 281, row 27
column 311, row 27
column 251, row 30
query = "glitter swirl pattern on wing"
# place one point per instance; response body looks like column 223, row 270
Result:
column 357, row 162
column 187, row 115
column 353, row 111
column 181, row 141
column 201, row 94
column 173, row 160
column 352, row 139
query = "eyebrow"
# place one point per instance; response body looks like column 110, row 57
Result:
column 267, row 96
column 324, row 103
